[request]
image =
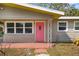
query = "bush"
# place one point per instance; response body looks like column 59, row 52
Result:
column 1, row 34
column 76, row 41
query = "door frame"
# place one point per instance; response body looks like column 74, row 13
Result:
column 44, row 30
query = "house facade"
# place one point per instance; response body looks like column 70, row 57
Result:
column 25, row 23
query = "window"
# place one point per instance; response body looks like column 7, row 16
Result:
column 28, row 24
column 28, row 30
column 62, row 26
column 28, row 27
column 76, row 25
column 10, row 27
column 19, row 27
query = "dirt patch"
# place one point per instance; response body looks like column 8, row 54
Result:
column 64, row 49
column 17, row 52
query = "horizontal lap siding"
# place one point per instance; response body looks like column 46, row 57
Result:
column 19, row 38
column 24, row 38
column 15, row 13
column 68, row 36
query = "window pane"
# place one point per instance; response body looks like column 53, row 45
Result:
column 28, row 30
column 19, row 30
column 10, row 30
column 10, row 24
column 19, row 24
column 77, row 24
column 28, row 24
column 62, row 24
column 76, row 28
column 62, row 28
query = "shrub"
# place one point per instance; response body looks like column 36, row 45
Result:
column 1, row 34
column 76, row 41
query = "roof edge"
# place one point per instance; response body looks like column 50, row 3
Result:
column 69, row 17
column 40, row 8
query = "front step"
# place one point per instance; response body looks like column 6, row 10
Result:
column 43, row 48
column 26, row 45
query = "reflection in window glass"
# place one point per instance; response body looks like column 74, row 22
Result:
column 10, row 24
column 28, row 30
column 62, row 26
column 19, row 27
column 28, row 24
column 76, row 28
column 19, row 24
column 19, row 30
column 10, row 30
column 76, row 25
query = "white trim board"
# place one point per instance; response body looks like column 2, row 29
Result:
column 69, row 17
column 15, row 26
column 74, row 26
column 62, row 30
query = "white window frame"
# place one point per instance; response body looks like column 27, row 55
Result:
column 19, row 27
column 15, row 26
column 28, row 27
column 62, row 22
column 8, row 27
column 74, row 25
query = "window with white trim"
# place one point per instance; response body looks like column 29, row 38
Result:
column 76, row 25
column 62, row 26
column 28, row 27
column 19, row 27
column 10, row 27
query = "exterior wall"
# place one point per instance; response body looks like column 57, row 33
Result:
column 19, row 38
column 49, row 31
column 66, row 36
column 15, row 13
column 23, row 38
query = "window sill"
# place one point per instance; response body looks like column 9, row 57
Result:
column 62, row 30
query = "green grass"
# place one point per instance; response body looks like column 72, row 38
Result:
column 1, row 33
column 64, row 49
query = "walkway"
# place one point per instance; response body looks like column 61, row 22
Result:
column 26, row 45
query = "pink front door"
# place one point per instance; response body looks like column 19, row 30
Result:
column 39, row 31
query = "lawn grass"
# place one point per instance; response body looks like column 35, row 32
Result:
column 64, row 49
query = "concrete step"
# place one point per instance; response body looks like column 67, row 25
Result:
column 26, row 45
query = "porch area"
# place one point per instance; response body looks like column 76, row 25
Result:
column 26, row 45
column 39, row 47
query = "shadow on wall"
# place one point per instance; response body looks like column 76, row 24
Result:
column 64, row 37
column 1, row 36
column 1, row 32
